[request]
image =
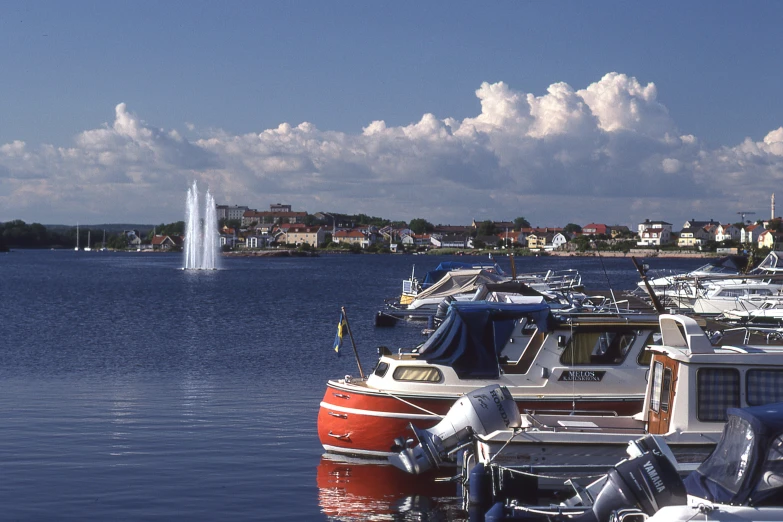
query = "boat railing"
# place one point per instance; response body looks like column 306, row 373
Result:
column 593, row 413
column 586, row 422
column 555, row 280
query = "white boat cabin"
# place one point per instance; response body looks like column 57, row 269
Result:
column 529, row 349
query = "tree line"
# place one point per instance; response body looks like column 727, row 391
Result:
column 18, row 234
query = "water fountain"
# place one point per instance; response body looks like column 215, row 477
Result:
column 201, row 234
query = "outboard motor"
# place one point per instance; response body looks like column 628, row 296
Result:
column 443, row 309
column 648, row 483
column 481, row 411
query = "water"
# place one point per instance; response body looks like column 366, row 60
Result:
column 134, row 390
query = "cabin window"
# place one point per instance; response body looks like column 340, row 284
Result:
column 666, row 389
column 645, row 355
column 764, row 386
column 717, row 389
column 598, row 348
column 417, row 373
column 381, row 369
column 655, row 395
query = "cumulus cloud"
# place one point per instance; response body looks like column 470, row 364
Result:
column 607, row 152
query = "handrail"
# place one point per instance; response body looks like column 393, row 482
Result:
column 592, row 413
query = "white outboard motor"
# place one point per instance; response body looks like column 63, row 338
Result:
column 481, row 411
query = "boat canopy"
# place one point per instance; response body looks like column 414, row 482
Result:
column 460, row 282
column 433, row 276
column 733, row 264
column 475, row 332
column 746, row 467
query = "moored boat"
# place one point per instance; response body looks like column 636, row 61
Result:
column 549, row 361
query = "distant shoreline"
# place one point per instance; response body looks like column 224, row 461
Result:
column 650, row 253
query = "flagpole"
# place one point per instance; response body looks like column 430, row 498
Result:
column 355, row 352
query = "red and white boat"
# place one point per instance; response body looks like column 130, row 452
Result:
column 548, row 361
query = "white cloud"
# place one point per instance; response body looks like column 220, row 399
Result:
column 671, row 165
column 601, row 153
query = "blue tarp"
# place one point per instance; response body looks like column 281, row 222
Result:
column 475, row 332
column 433, row 276
column 738, row 471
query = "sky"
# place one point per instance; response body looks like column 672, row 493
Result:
column 559, row 112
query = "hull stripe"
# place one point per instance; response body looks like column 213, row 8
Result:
column 372, row 413
column 351, row 451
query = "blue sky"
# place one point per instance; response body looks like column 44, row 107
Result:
column 557, row 111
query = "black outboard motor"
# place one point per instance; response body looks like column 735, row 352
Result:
column 648, row 482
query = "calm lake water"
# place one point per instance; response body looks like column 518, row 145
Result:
column 132, row 390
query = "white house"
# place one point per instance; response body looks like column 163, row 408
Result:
column 655, row 237
column 750, row 233
column 654, row 224
column 559, row 241
column 727, row 233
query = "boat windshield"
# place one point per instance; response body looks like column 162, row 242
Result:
column 746, row 466
column 768, row 264
column 729, row 464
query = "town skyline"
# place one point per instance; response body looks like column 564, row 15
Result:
column 438, row 112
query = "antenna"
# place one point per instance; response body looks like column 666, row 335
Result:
column 744, row 213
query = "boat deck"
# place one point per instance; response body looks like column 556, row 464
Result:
column 583, row 423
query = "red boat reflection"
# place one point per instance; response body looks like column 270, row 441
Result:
column 358, row 489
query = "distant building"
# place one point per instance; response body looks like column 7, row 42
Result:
column 692, row 223
column 750, row 233
column 269, row 217
column 299, row 235
column 540, row 240
column 727, row 232
column 694, row 236
column 770, row 239
column 454, row 241
column 559, row 241
column 233, row 213
column 351, row 237
column 166, row 242
column 657, row 236
column 596, row 229
column 654, row 224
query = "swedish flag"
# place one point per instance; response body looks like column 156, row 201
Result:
column 341, row 327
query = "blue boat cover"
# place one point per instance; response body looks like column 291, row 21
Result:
column 475, row 332
column 746, row 467
column 433, row 276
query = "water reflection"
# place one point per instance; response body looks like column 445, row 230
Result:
column 356, row 489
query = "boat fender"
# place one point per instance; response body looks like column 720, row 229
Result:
column 496, row 513
column 480, row 487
